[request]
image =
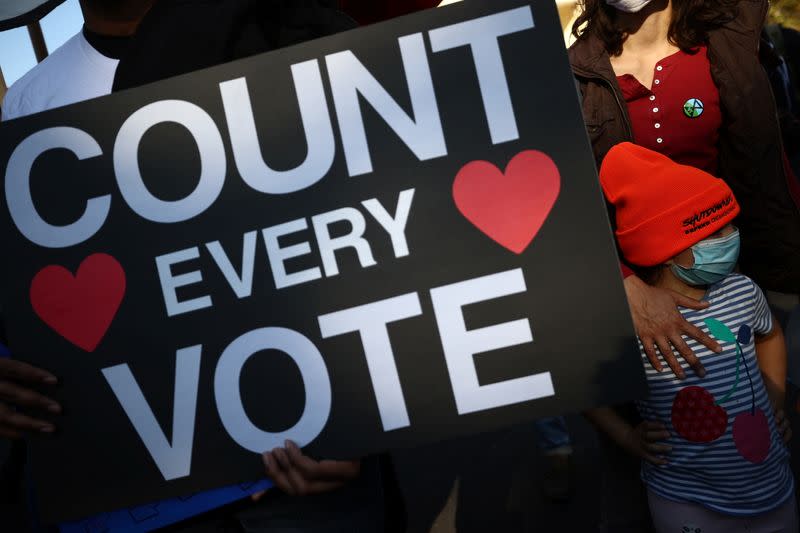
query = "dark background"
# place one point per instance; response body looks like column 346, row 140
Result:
column 574, row 300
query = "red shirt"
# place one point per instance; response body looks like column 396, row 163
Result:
column 680, row 115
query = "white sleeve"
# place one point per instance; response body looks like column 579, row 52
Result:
column 5, row 111
column 11, row 105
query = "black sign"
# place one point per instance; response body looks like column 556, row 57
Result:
column 378, row 239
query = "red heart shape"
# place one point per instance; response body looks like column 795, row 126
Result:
column 696, row 417
column 511, row 207
column 80, row 308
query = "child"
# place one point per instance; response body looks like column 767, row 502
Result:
column 722, row 466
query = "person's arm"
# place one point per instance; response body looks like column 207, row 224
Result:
column 658, row 323
column 772, row 361
column 642, row 441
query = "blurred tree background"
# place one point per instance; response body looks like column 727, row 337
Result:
column 786, row 13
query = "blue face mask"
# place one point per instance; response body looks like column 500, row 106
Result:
column 714, row 259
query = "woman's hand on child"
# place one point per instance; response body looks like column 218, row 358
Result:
column 645, row 442
column 659, row 324
column 299, row 475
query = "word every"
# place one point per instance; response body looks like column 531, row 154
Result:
column 370, row 321
column 242, row 283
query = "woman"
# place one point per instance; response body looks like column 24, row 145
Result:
column 683, row 77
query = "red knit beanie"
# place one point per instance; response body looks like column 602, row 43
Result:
column 662, row 208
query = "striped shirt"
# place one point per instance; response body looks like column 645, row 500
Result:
column 726, row 454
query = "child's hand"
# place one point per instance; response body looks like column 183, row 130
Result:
column 299, row 475
column 783, row 425
column 643, row 442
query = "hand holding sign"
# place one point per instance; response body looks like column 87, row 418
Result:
column 300, row 475
column 15, row 378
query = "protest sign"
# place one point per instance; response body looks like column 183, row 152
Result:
column 377, row 239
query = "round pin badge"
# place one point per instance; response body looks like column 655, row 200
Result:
column 693, row 108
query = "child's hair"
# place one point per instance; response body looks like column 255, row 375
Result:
column 650, row 275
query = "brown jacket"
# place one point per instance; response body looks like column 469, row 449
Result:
column 750, row 146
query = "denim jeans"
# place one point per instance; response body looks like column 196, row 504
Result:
column 792, row 333
column 786, row 308
column 552, row 435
